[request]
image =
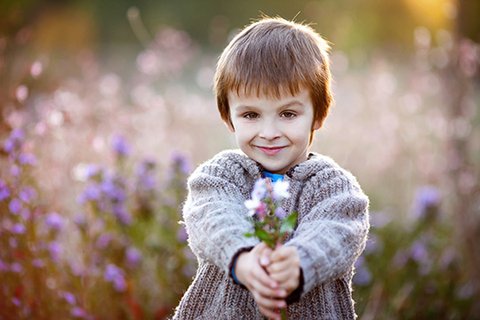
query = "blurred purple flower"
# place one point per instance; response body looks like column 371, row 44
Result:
column 418, row 251
column 145, row 177
column 38, row 263
column 181, row 163
column 92, row 170
column 16, row 267
column 120, row 146
column 133, row 256
column 280, row 213
column 104, row 240
column 113, row 189
column 259, row 190
column 78, row 312
column 4, row 191
column 55, row 251
column 182, row 234
column 69, row 297
column 14, row 141
column 427, row 198
column 3, row 266
column 16, row 301
column 27, row 159
column 15, row 170
column 18, row 228
column 80, row 220
column 54, row 221
column 123, row 216
column 116, row 276
column 91, row 193
column 15, row 206
column 27, row 194
column 362, row 275
column 374, row 244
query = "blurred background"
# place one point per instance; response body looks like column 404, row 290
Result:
column 107, row 106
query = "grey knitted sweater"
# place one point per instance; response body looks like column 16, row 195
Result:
column 331, row 233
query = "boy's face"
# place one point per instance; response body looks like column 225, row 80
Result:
column 273, row 132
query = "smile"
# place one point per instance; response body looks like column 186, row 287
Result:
column 270, row 151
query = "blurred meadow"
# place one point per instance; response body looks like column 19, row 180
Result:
column 107, row 106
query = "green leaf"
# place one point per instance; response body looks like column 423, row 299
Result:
column 288, row 224
column 249, row 235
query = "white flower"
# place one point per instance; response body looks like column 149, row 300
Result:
column 259, row 189
column 252, row 206
column 280, row 190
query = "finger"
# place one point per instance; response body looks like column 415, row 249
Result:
column 283, row 253
column 265, row 291
column 262, row 277
column 268, row 302
column 284, row 275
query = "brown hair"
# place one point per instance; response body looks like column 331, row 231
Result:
column 273, row 55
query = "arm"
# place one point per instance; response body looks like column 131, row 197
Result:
column 214, row 215
column 332, row 234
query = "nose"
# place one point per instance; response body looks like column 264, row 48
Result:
column 269, row 130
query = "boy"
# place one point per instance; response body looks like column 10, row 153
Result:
column 273, row 91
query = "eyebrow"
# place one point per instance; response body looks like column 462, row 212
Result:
column 287, row 105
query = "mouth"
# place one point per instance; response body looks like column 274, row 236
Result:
column 270, row 151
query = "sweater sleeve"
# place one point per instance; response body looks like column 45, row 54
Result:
column 332, row 234
column 215, row 215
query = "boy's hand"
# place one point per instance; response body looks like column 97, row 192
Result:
column 284, row 268
column 267, row 293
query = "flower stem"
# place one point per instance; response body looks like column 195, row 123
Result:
column 283, row 314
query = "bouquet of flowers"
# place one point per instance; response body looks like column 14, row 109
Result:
column 272, row 225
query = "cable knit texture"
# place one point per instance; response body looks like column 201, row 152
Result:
column 330, row 235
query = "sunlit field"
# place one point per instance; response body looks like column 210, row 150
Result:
column 94, row 160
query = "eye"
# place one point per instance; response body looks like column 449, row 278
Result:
column 250, row 115
column 288, row 114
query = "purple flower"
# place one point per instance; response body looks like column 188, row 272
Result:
column 55, row 250
column 104, row 240
column 18, row 228
column 15, row 206
column 38, row 263
column 4, row 191
column 146, row 180
column 116, row 276
column 3, row 266
column 54, row 221
column 27, row 194
column 16, row 267
column 69, row 297
column 362, row 275
column 14, row 141
column 16, row 302
column 181, row 163
column 123, row 216
column 182, row 234
column 418, row 252
column 113, row 188
column 78, row 312
column 120, row 146
column 427, row 199
column 259, row 189
column 280, row 213
column 134, row 256
column 27, row 159
column 15, row 170
column 91, row 193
